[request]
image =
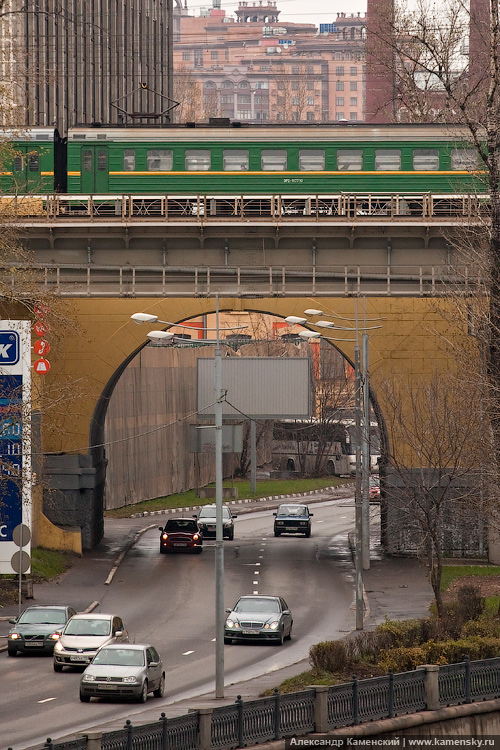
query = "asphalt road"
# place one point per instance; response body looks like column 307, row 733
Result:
column 169, row 600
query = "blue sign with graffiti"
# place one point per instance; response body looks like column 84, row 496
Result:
column 10, row 454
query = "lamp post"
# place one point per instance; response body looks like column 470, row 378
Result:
column 362, row 416
column 219, row 541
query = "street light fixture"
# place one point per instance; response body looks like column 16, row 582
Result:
column 362, row 499
column 220, row 617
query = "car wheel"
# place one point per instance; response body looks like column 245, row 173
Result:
column 308, row 533
column 144, row 692
column 277, row 533
column 289, row 636
column 84, row 698
column 57, row 667
column 228, row 641
column 198, row 550
column 231, row 535
column 281, row 638
column 160, row 690
column 162, row 551
column 12, row 651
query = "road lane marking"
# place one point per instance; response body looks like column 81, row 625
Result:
column 186, row 653
column 46, row 700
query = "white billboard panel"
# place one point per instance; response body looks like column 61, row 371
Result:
column 257, row 387
column 15, row 437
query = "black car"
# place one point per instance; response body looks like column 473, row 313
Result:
column 207, row 517
column 259, row 618
column 291, row 518
column 180, row 534
column 38, row 629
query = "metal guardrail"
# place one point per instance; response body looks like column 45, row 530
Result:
column 85, row 280
column 215, row 208
column 317, row 709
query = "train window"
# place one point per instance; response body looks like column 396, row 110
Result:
column 236, row 160
column 102, row 160
column 312, row 160
column 87, row 160
column 349, row 160
column 33, row 164
column 426, row 159
column 197, row 160
column 273, row 160
column 387, row 159
column 160, row 160
column 18, row 164
column 128, row 160
column 463, row 158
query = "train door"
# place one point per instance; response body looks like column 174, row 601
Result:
column 94, row 169
column 26, row 169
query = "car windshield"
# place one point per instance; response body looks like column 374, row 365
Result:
column 292, row 510
column 180, row 525
column 43, row 616
column 211, row 511
column 124, row 657
column 260, row 606
column 88, row 627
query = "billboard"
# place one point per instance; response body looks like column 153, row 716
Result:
column 15, row 437
column 257, row 387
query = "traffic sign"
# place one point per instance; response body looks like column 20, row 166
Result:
column 16, row 534
column 41, row 328
column 20, row 561
column 41, row 347
column 41, row 366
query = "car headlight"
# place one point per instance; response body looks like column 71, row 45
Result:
column 232, row 624
column 303, row 523
column 55, row 636
column 130, row 679
column 164, row 536
column 274, row 625
column 196, row 537
column 58, row 646
column 88, row 678
column 14, row 636
column 280, row 523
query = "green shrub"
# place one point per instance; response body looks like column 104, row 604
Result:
column 328, row 656
column 486, row 627
column 401, row 659
column 402, row 632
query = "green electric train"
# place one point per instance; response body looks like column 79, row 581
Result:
column 239, row 159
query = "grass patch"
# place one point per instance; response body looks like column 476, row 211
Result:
column 265, row 488
column 49, row 563
column 452, row 572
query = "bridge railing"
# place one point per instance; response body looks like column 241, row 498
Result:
column 89, row 280
column 318, row 709
column 342, row 207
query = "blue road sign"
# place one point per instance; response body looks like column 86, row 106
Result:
column 10, row 348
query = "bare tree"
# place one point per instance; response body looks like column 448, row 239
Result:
column 187, row 91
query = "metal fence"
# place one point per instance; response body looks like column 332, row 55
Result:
column 317, row 709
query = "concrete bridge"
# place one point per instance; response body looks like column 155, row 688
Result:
column 109, row 257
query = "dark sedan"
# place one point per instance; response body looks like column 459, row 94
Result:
column 259, row 618
column 207, row 521
column 38, row 629
column 292, row 518
column 181, row 534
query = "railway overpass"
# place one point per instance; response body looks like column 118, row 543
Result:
column 108, row 257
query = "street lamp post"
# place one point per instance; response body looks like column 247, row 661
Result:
column 219, row 540
column 362, row 427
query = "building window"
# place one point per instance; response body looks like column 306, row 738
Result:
column 295, row 100
column 295, row 116
column 387, row 159
column 310, row 116
column 339, row 70
column 310, row 70
column 261, row 85
column 354, row 71
column 273, row 160
column 295, row 69
column 464, row 159
column 353, row 85
column 243, row 85
column 339, row 116
column 186, row 55
column 261, row 115
column 353, row 116
column 160, row 160
column 311, row 160
column 339, row 85
column 227, row 85
column 209, row 85
column 214, row 55
column 349, row 160
column 354, row 101
column 310, row 101
column 339, row 101
column 426, row 159
column 244, row 114
column 128, row 160
column 280, row 116
column 197, row 160
column 295, row 85
column 226, row 99
column 235, row 160
column 310, row 85
column 244, row 99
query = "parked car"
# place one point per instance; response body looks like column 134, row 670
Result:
column 207, row 517
column 374, row 489
column 83, row 635
column 179, row 534
column 259, row 618
column 291, row 518
column 124, row 670
column 38, row 629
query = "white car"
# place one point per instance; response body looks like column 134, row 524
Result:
column 83, row 635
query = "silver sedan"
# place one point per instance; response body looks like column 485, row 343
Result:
column 124, row 670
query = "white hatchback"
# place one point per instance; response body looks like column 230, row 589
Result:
column 83, row 635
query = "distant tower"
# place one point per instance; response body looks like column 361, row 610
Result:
column 257, row 13
column 479, row 42
column 380, row 79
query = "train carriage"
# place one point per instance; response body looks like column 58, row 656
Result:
column 32, row 161
column 272, row 160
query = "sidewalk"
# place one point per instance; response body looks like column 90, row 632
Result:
column 394, row 587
